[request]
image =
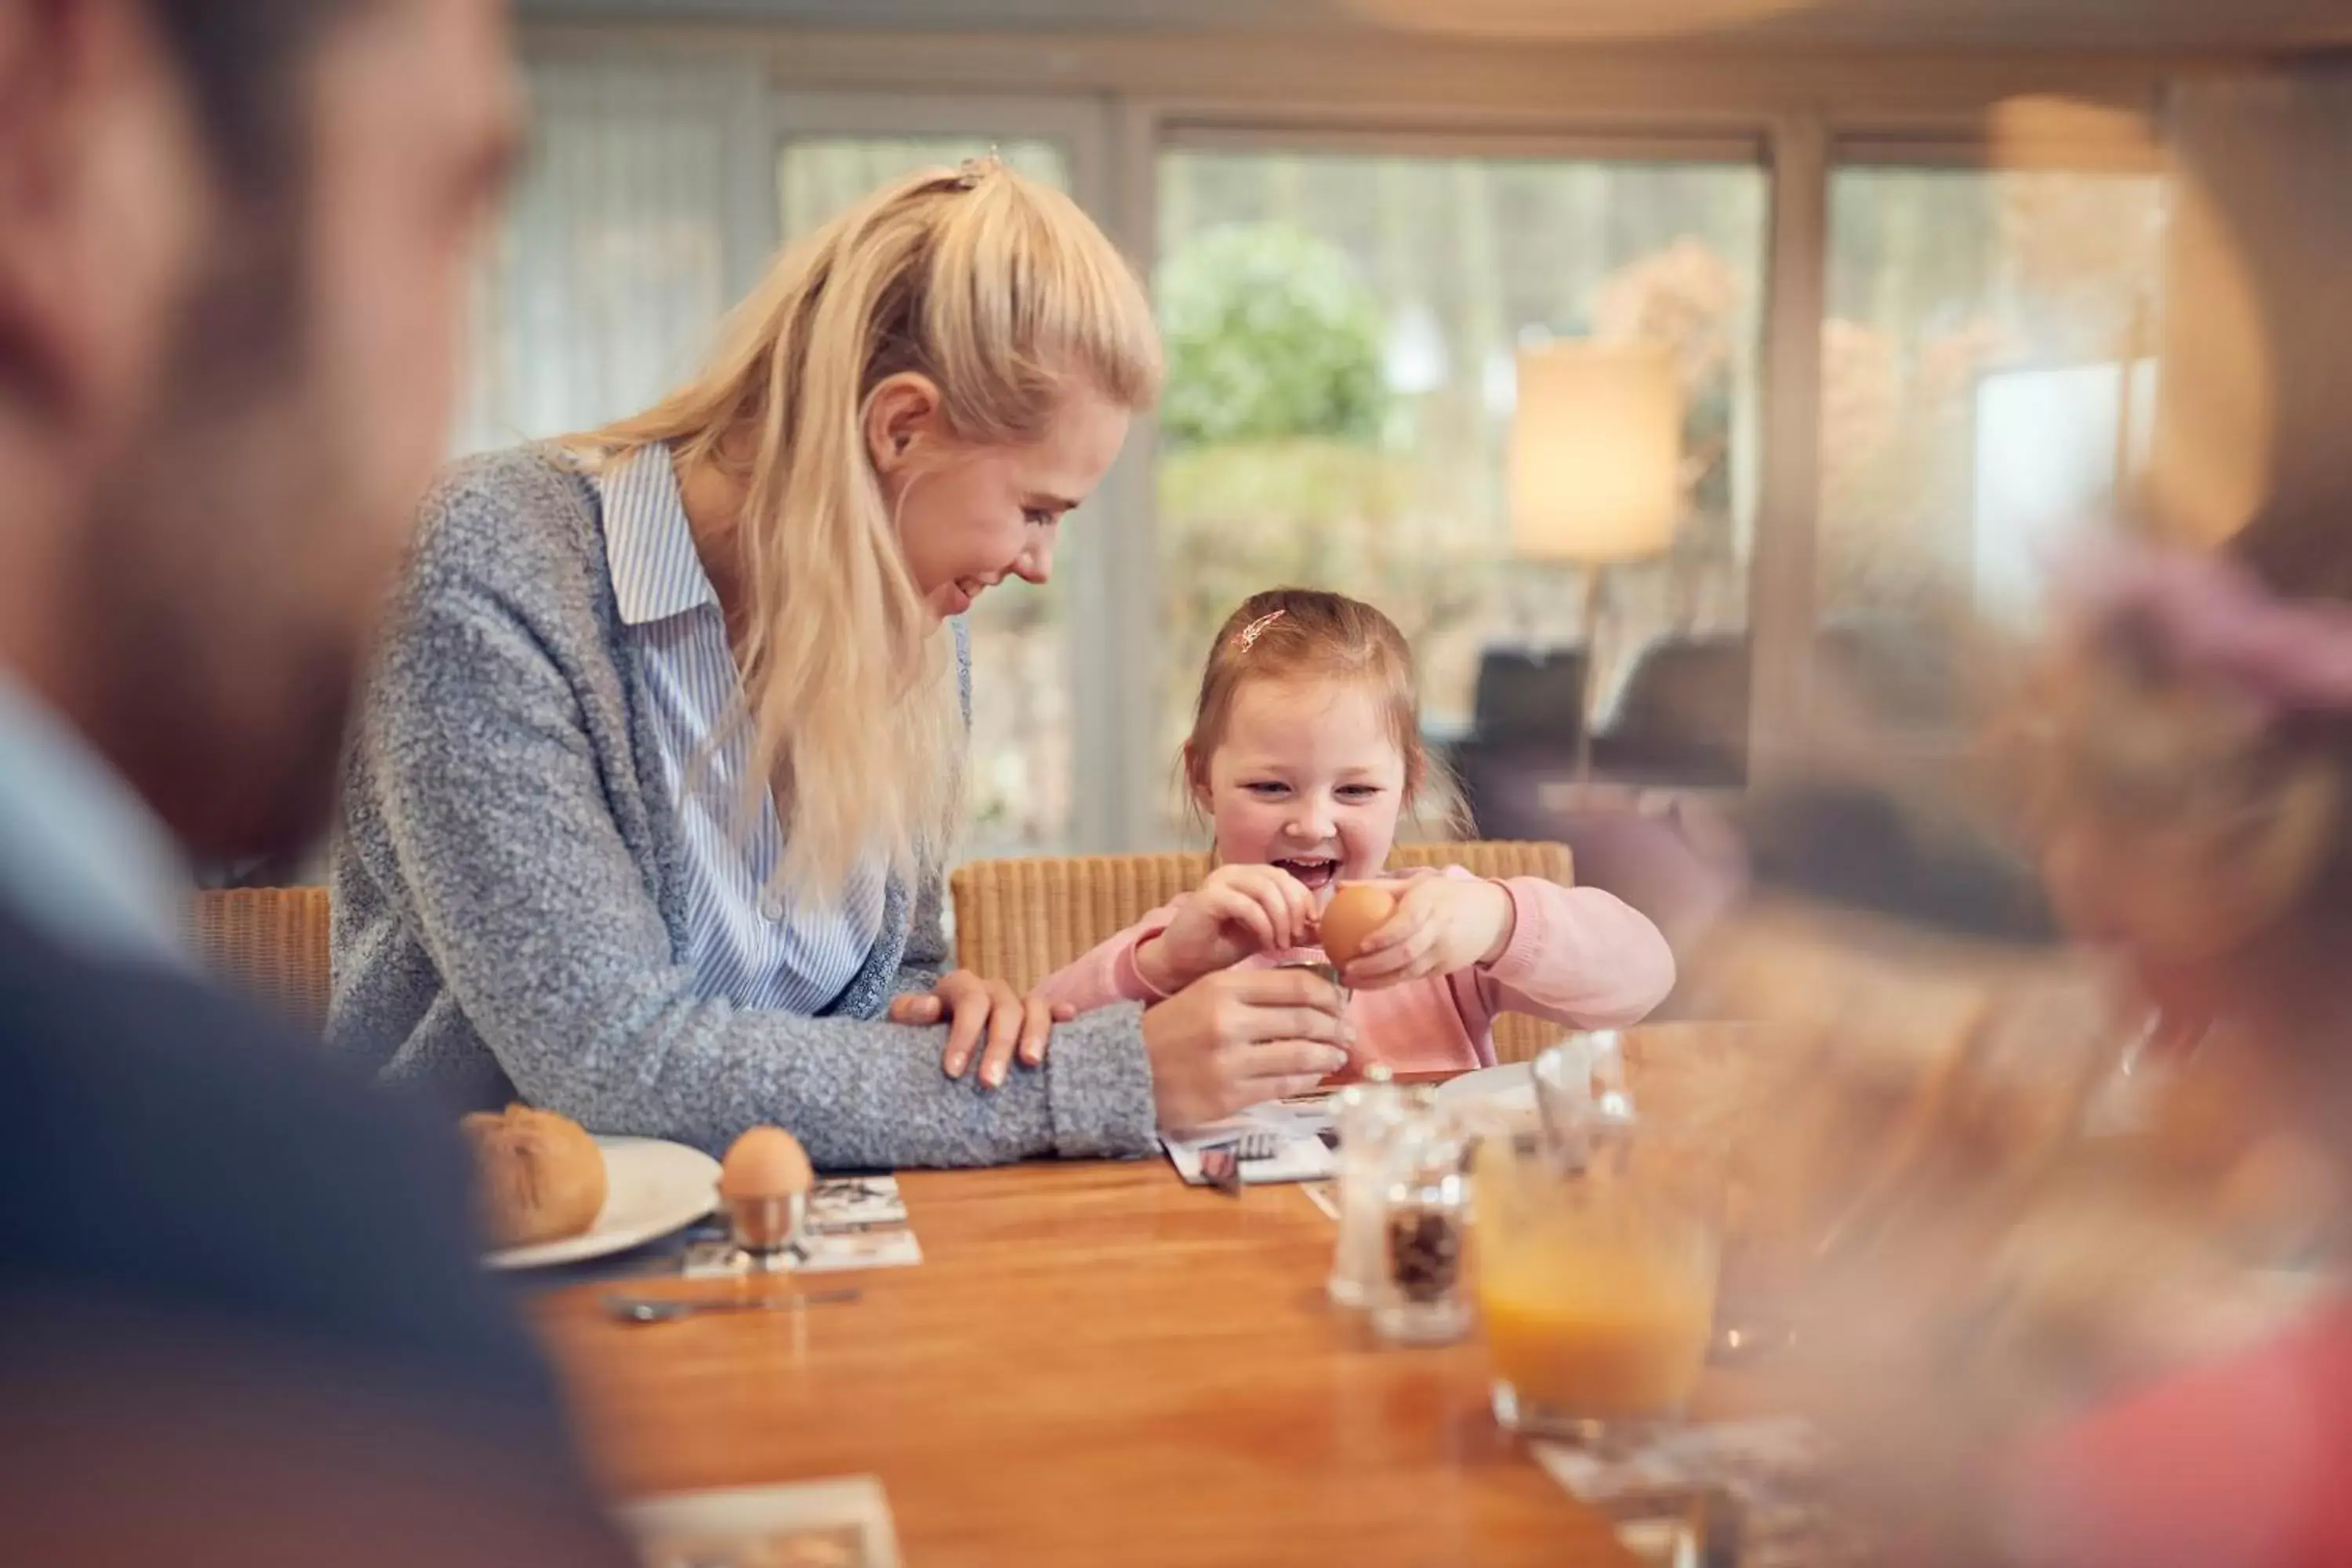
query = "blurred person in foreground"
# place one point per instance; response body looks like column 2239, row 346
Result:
column 2038, row 1345
column 2190, row 764
column 241, row 1317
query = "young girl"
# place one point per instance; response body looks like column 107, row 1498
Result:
column 1306, row 751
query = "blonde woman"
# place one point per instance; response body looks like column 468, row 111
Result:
column 646, row 817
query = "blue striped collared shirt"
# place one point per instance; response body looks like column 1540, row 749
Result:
column 742, row 944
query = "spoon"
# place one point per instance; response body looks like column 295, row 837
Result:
column 669, row 1309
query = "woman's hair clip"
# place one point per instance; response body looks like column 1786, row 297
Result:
column 1246, row 638
column 971, row 171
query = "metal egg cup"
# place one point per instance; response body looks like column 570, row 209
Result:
column 769, row 1231
column 1328, row 970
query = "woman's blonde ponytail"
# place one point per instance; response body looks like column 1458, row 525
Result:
column 1003, row 294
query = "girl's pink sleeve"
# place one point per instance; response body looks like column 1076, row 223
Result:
column 1579, row 956
column 1108, row 973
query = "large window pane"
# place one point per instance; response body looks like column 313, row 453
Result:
column 1020, row 720
column 1987, row 383
column 1343, row 419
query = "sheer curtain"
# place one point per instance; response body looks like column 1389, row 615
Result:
column 647, row 205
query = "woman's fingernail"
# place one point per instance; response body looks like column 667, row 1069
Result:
column 1334, row 1060
column 994, row 1074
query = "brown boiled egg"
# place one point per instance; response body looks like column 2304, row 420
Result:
column 765, row 1163
column 1355, row 912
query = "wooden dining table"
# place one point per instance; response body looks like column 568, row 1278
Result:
column 1093, row 1364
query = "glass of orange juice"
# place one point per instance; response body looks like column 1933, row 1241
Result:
column 1597, row 1243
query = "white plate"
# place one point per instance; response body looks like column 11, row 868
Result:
column 651, row 1189
column 1510, row 1089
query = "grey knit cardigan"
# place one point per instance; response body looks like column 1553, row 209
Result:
column 508, row 904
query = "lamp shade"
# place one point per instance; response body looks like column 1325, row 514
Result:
column 1596, row 452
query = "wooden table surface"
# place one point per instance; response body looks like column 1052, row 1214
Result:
column 1094, row 1365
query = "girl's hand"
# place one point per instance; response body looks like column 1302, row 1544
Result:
column 977, row 1010
column 1442, row 924
column 1239, row 911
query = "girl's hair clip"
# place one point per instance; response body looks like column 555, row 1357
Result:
column 1246, row 638
column 2210, row 616
column 971, row 171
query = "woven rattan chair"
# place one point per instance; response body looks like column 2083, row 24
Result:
column 1020, row 920
column 270, row 943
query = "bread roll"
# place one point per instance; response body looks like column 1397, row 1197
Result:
column 542, row 1177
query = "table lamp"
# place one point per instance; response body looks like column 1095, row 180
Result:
column 1595, row 469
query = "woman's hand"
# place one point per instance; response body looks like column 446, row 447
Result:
column 1239, row 911
column 1241, row 1036
column 1441, row 924
column 976, row 1010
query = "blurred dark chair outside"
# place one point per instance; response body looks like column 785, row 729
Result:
column 1678, row 720
column 1674, row 738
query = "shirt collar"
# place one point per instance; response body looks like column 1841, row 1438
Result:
column 81, row 857
column 648, row 544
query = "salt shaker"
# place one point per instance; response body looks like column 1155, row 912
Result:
column 1424, row 1219
column 1364, row 1115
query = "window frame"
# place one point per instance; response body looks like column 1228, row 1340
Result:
column 1118, row 102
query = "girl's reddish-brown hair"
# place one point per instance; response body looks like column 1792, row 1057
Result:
column 1295, row 633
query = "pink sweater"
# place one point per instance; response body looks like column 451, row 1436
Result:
column 2241, row 1461
column 1579, row 955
